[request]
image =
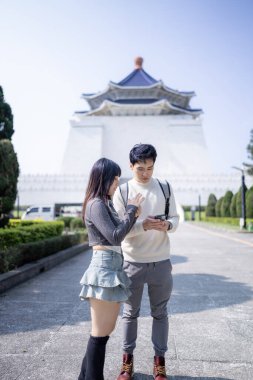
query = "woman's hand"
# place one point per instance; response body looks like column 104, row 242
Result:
column 136, row 201
column 138, row 212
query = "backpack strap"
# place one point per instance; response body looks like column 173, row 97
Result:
column 165, row 187
column 124, row 193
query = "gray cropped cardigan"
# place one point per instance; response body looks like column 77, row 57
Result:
column 103, row 224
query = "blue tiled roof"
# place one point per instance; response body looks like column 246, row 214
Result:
column 138, row 77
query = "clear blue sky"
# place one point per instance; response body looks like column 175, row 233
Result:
column 54, row 50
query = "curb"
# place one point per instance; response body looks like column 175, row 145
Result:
column 27, row 271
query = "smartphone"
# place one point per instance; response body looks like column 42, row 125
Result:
column 160, row 217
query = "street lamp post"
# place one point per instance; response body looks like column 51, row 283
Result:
column 199, row 207
column 243, row 197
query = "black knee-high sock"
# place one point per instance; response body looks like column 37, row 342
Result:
column 83, row 369
column 93, row 362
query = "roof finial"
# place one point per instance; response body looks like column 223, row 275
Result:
column 138, row 62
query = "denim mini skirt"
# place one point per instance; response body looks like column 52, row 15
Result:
column 105, row 278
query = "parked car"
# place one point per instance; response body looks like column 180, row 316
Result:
column 52, row 211
column 44, row 212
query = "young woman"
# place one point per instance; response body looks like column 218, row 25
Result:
column 105, row 284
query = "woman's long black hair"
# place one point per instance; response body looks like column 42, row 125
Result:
column 102, row 175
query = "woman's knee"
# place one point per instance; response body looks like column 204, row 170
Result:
column 103, row 329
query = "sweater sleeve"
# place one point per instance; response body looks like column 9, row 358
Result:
column 100, row 217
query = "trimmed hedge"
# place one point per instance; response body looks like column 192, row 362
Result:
column 66, row 220
column 10, row 237
column 76, row 224
column 23, row 223
column 229, row 220
column 14, row 257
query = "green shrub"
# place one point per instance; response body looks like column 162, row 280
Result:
column 218, row 207
column 14, row 257
column 225, row 204
column 187, row 208
column 249, row 203
column 76, row 224
column 220, row 220
column 230, row 221
column 10, row 237
column 210, row 208
column 66, row 220
column 23, row 223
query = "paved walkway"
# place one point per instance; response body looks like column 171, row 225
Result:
column 44, row 326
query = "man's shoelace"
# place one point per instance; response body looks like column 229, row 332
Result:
column 127, row 367
column 160, row 370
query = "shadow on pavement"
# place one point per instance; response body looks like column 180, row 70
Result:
column 141, row 376
column 41, row 307
column 194, row 292
column 51, row 299
column 177, row 259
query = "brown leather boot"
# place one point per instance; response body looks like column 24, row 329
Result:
column 159, row 368
column 127, row 367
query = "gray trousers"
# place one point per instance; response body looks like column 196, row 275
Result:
column 158, row 278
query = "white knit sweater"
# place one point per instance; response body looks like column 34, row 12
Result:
column 147, row 246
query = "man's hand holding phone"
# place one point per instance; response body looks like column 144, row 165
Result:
column 160, row 217
column 157, row 222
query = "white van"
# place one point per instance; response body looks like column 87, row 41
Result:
column 43, row 212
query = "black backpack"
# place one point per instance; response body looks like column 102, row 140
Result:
column 165, row 187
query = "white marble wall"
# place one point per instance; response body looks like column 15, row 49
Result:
column 44, row 189
column 179, row 141
column 182, row 158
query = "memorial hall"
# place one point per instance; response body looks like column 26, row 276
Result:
column 137, row 109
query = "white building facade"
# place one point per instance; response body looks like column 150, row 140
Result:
column 138, row 109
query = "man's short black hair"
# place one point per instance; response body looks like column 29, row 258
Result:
column 141, row 153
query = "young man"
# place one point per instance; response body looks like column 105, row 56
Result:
column 146, row 252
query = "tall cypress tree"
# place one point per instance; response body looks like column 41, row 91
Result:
column 6, row 118
column 9, row 168
column 210, row 208
column 218, row 207
column 249, row 203
column 233, row 206
column 250, row 154
column 225, row 204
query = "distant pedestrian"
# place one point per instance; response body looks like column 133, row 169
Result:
column 105, row 283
